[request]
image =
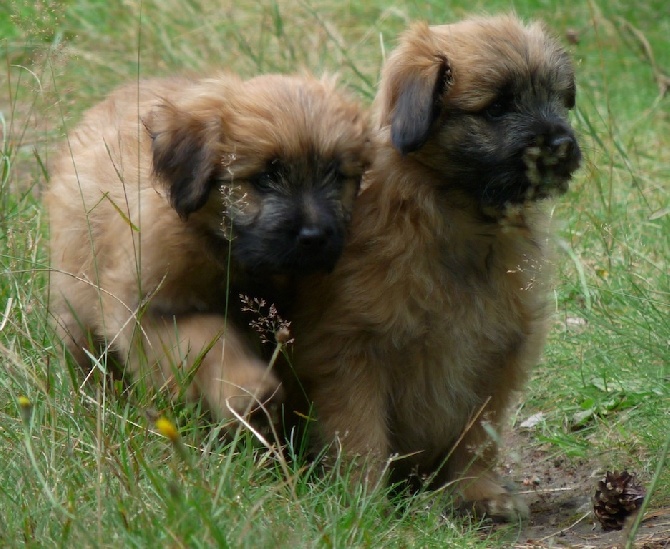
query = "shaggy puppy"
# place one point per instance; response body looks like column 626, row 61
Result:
column 175, row 196
column 439, row 307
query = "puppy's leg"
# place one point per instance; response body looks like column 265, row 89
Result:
column 213, row 365
column 351, row 407
column 481, row 490
column 471, row 468
column 70, row 304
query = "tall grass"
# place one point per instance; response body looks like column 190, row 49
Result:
column 87, row 466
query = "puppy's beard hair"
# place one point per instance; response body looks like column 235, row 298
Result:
column 548, row 183
column 529, row 184
column 276, row 256
column 499, row 189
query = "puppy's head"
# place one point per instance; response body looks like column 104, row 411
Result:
column 272, row 164
column 485, row 103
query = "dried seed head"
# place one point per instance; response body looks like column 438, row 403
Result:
column 283, row 335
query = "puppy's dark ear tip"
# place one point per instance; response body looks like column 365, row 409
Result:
column 401, row 146
column 405, row 141
column 185, row 206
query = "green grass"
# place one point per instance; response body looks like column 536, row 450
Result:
column 87, row 467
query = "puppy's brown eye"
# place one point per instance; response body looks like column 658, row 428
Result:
column 267, row 179
column 264, row 181
column 497, row 109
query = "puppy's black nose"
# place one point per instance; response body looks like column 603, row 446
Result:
column 563, row 145
column 312, row 237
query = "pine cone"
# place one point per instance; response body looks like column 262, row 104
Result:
column 617, row 497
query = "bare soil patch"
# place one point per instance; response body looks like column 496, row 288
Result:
column 559, row 492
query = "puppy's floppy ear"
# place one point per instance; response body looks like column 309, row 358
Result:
column 415, row 79
column 186, row 153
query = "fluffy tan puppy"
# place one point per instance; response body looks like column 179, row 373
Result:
column 172, row 197
column 439, row 306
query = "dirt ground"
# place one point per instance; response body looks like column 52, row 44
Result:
column 559, row 493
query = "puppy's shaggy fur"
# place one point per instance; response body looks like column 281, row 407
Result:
column 173, row 197
column 438, row 306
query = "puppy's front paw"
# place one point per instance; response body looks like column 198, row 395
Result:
column 504, row 507
column 486, row 496
column 257, row 396
column 242, row 388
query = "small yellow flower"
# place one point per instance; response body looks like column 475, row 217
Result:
column 166, row 428
column 26, row 408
